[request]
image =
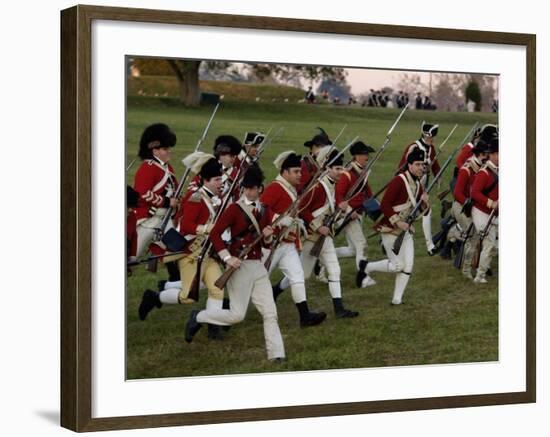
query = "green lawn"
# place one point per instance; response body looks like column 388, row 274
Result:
column 446, row 319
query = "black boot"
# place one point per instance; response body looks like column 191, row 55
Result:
column 446, row 251
column 361, row 273
column 340, row 311
column 149, row 300
column 277, row 290
column 192, row 326
column 308, row 318
column 214, row 332
column 173, row 271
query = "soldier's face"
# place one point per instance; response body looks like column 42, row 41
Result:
column 361, row 159
column 214, row 184
column 293, row 175
column 163, row 153
column 417, row 168
column 227, row 160
column 335, row 172
column 252, row 150
column 252, row 193
column 493, row 157
column 429, row 140
column 483, row 157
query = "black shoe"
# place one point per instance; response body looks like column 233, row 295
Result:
column 446, row 252
column 149, row 300
column 192, row 326
column 361, row 274
column 278, row 360
column 346, row 314
column 161, row 284
column 312, row 319
column 277, row 290
column 489, row 272
column 215, row 332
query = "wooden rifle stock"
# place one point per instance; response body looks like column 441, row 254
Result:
column 482, row 235
column 459, row 259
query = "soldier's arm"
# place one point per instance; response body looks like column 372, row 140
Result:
column 386, row 205
column 215, row 236
column 461, row 181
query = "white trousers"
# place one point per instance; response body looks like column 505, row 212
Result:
column 489, row 246
column 328, row 258
column 146, row 231
column 357, row 243
column 401, row 264
column 286, row 258
column 250, row 282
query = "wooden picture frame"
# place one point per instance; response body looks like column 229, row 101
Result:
column 76, row 221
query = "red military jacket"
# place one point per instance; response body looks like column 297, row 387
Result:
column 155, row 182
column 346, row 181
column 464, row 179
column 464, row 154
column 317, row 204
column 484, row 180
column 429, row 155
column 309, row 168
column 279, row 195
column 243, row 232
column 401, row 196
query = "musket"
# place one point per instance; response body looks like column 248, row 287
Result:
column 347, row 217
column 482, row 235
column 166, row 218
column 131, row 163
column 412, row 215
column 440, row 148
column 459, row 259
column 137, row 262
column 339, row 134
column 207, row 244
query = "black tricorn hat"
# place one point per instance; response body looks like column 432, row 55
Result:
column 210, row 169
column 429, row 130
column 321, row 139
column 227, row 144
column 132, row 197
column 488, row 132
column 417, row 154
column 254, row 138
column 254, row 177
column 360, row 148
column 155, row 136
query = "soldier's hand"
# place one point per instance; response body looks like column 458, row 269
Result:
column 267, row 231
column 404, row 226
column 234, row 262
column 343, row 205
column 425, row 198
column 355, row 215
column 324, row 230
column 174, row 202
column 495, row 204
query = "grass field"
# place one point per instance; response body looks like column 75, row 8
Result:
column 446, row 319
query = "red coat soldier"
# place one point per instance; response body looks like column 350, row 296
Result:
column 279, row 196
column 309, row 164
column 402, row 195
column 247, row 219
column 426, row 144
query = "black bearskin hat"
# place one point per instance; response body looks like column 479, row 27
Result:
column 331, row 162
column 254, row 177
column 210, row 169
column 227, row 144
column 429, row 130
column 493, row 145
column 320, row 139
column 417, row 154
column 155, row 136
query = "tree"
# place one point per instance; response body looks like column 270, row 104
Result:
column 445, row 95
column 187, row 73
column 473, row 93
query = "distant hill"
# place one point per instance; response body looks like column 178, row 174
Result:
column 167, row 86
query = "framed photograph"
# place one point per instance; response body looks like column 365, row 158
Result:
column 179, row 93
